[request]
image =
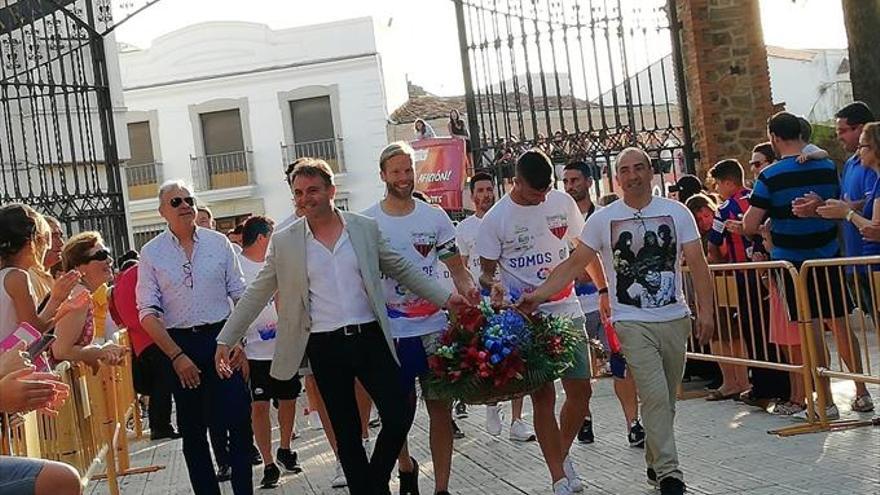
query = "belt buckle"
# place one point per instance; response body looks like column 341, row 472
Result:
column 350, row 330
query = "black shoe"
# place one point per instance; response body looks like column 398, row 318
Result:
column 409, row 481
column 672, row 486
column 461, row 410
column 288, row 459
column 442, row 492
column 164, row 434
column 457, row 434
column 271, row 473
column 636, row 435
column 256, row 458
column 586, row 433
column 652, row 477
column 224, row 473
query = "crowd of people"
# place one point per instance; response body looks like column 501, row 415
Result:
column 348, row 307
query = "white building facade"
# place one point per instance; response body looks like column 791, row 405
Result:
column 227, row 105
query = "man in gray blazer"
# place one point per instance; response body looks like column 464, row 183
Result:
column 324, row 271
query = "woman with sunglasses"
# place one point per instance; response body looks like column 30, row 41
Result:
column 75, row 326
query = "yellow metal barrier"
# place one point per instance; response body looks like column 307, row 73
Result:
column 844, row 305
column 90, row 427
column 754, row 323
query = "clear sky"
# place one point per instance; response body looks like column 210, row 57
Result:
column 430, row 24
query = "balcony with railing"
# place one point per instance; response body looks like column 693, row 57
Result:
column 222, row 170
column 143, row 180
column 325, row 149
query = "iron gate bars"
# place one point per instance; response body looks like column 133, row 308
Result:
column 580, row 79
column 58, row 149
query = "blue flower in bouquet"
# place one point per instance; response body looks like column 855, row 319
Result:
column 505, row 333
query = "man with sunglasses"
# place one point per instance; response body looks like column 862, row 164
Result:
column 187, row 275
column 524, row 236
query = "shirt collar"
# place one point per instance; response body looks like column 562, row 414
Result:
column 309, row 233
column 176, row 240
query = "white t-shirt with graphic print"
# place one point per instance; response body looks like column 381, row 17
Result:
column 529, row 242
column 422, row 237
column 260, row 336
column 466, row 238
column 641, row 251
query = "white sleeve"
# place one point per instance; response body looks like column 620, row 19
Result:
column 591, row 235
column 463, row 247
column 685, row 224
column 445, row 228
column 810, row 148
column 488, row 244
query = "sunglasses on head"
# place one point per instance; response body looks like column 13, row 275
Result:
column 102, row 255
column 176, row 202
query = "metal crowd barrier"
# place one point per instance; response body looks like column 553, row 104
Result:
column 89, row 428
column 768, row 316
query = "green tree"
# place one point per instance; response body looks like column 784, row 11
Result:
column 862, row 20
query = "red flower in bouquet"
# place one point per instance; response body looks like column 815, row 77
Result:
column 471, row 320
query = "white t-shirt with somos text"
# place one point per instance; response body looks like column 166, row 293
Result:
column 422, row 237
column 641, row 251
column 466, row 238
column 260, row 337
column 529, row 242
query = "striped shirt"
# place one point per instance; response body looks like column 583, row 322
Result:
column 797, row 239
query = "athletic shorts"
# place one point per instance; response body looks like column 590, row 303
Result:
column 580, row 368
column 832, row 301
column 596, row 330
column 412, row 352
column 18, row 475
column 264, row 387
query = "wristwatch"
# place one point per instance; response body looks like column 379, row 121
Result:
column 849, row 215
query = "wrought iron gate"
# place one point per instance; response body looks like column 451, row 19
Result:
column 58, row 149
column 578, row 78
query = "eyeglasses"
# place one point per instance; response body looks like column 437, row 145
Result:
column 188, row 274
column 176, row 202
column 101, row 255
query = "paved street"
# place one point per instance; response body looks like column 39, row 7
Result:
column 724, row 449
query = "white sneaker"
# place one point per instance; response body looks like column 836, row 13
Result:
column 315, row 420
column 339, row 480
column 520, row 431
column 831, row 413
column 571, row 475
column 561, row 487
column 493, row 420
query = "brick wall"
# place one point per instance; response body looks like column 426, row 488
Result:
column 727, row 78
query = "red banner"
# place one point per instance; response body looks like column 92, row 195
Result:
column 440, row 170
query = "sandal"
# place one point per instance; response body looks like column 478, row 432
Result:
column 717, row 395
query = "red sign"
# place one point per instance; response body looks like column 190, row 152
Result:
column 440, row 170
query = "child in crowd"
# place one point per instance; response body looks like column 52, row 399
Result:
column 810, row 151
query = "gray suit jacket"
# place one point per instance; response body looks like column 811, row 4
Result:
column 286, row 273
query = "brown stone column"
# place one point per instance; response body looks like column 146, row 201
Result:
column 726, row 77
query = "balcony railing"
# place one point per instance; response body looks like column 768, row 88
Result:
column 325, row 149
column 222, row 171
column 143, row 180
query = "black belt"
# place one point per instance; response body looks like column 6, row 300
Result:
column 207, row 327
column 350, row 330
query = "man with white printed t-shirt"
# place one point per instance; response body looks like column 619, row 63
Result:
column 260, row 348
column 648, row 306
column 482, row 187
column 523, row 237
column 424, row 236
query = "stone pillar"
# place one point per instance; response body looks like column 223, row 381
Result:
column 726, row 78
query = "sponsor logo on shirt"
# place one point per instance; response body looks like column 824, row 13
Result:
column 424, row 242
column 530, row 260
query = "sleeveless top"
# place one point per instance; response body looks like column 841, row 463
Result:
column 8, row 318
column 88, row 331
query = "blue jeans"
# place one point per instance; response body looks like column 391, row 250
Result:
column 215, row 403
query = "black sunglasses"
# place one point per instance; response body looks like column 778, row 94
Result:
column 176, row 202
column 102, row 255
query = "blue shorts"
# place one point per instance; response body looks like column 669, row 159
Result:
column 18, row 475
column 412, row 352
